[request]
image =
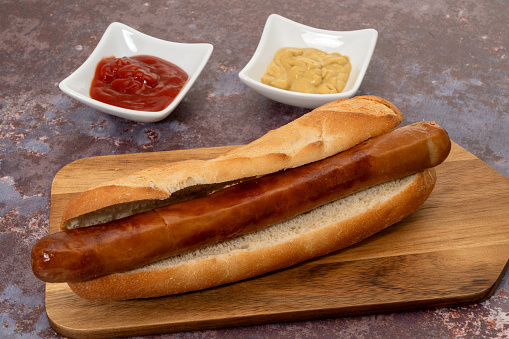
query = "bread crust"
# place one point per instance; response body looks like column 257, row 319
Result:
column 324, row 230
column 325, row 131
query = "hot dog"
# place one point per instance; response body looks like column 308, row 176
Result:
column 299, row 167
column 127, row 243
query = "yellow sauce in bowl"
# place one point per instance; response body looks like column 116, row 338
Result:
column 308, row 70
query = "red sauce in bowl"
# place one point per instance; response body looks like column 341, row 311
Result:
column 141, row 82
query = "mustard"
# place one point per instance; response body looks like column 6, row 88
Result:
column 308, row 70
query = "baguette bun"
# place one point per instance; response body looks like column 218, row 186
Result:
column 323, row 230
column 325, row 131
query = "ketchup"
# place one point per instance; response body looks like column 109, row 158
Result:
column 141, row 82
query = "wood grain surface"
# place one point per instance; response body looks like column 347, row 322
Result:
column 452, row 251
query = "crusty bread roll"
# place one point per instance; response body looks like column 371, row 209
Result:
column 325, row 131
column 323, row 230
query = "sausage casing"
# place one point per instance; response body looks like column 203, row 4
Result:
column 124, row 244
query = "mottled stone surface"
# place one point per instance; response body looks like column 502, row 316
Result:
column 436, row 60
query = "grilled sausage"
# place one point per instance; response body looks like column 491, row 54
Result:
column 124, row 244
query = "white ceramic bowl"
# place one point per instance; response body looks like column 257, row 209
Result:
column 281, row 32
column 120, row 40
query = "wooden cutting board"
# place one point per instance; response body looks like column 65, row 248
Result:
column 452, row 251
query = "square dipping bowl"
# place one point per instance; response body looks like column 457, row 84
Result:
column 119, row 41
column 281, row 32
